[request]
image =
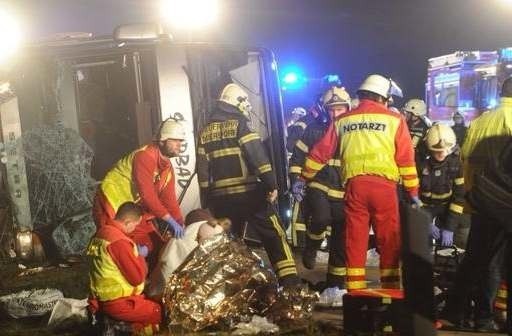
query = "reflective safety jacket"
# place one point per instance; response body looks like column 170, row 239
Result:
column 328, row 179
column 106, row 279
column 146, row 178
column 485, row 139
column 296, row 130
column 442, row 183
column 370, row 140
column 231, row 157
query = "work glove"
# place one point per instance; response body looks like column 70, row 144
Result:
column 176, row 228
column 446, row 238
column 143, row 250
column 416, row 201
column 434, row 231
column 298, row 190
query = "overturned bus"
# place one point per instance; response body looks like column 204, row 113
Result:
column 115, row 91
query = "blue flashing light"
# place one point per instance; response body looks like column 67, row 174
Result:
column 293, row 79
column 290, row 78
column 492, row 103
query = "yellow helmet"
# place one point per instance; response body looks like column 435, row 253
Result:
column 335, row 96
column 416, row 106
column 441, row 137
column 171, row 129
column 234, row 95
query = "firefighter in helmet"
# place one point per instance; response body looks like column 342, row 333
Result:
column 324, row 198
column 415, row 111
column 146, row 177
column 459, row 128
column 375, row 152
column 237, row 180
column 442, row 186
column 296, row 129
column 300, row 210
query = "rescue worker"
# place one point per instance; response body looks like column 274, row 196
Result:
column 296, row 114
column 231, row 162
column 300, row 211
column 416, row 114
column 488, row 243
column 324, row 197
column 118, row 271
column 459, row 128
column 442, row 186
column 296, row 130
column 145, row 177
column 375, row 149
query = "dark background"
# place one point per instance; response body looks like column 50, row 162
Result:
column 350, row 38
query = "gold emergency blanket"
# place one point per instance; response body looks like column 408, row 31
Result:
column 222, row 283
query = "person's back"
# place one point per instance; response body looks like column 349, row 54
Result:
column 373, row 152
column 237, row 180
column 489, row 246
column 486, row 138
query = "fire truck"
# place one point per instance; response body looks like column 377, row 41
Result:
column 114, row 92
column 467, row 82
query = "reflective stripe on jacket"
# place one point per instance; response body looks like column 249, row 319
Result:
column 442, row 184
column 231, row 157
column 328, row 180
column 372, row 141
column 106, row 280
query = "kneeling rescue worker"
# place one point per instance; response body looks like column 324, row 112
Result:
column 117, row 274
column 145, row 177
column 231, row 162
column 376, row 151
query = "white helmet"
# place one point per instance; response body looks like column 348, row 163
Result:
column 171, row 129
column 416, row 106
column 299, row 112
column 234, row 95
column 441, row 137
column 335, row 96
column 381, row 85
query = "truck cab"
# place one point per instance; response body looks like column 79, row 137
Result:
column 465, row 81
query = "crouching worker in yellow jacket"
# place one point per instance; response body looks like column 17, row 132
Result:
column 118, row 271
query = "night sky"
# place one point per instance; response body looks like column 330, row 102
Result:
column 350, row 38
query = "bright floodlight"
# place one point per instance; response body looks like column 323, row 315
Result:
column 190, row 14
column 10, row 35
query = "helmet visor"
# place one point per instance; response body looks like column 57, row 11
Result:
column 394, row 89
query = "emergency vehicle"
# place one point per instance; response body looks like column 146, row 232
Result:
column 114, row 91
column 467, row 82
